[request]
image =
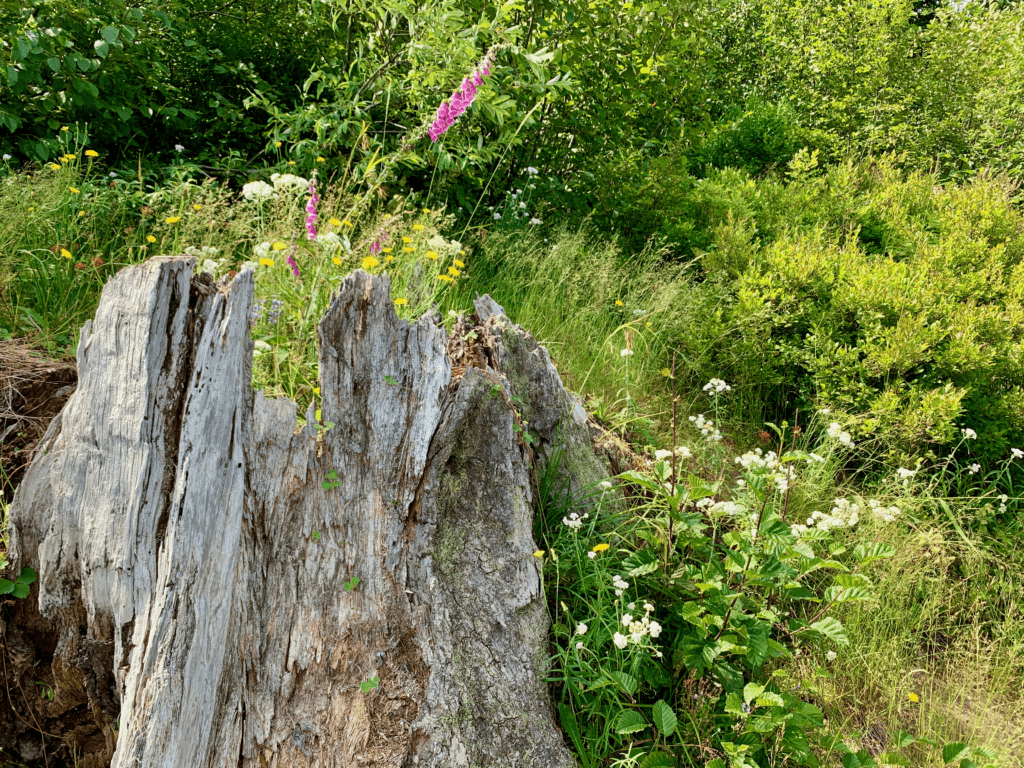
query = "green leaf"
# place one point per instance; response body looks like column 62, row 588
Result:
column 751, row 691
column 369, row 685
column 109, row 34
column 6, row 587
column 53, row 63
column 629, row 721
column 892, row 758
column 123, row 112
column 101, row 48
column 27, row 576
column 628, row 682
column 658, row 760
column 733, row 705
column 832, row 629
column 571, row 727
column 874, row 551
column 664, row 718
column 21, row 591
column 716, row 763
column 769, row 699
column 955, row 751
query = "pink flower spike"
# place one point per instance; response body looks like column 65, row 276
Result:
column 477, row 80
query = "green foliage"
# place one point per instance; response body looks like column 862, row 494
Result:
column 20, row 586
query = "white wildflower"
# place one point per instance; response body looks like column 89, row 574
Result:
column 974, row 468
column 256, row 191
column 581, row 628
column 717, row 385
column 1017, row 453
column 619, row 640
column 626, row 352
column 969, row 434
column 831, row 655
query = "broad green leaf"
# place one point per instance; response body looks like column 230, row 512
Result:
column 751, row 691
column 628, row 682
column 833, row 629
column 664, row 718
column 102, row 48
column 53, row 63
column 892, row 758
column 865, row 553
column 109, row 34
column 733, row 705
column 769, row 699
column 6, row 587
column 716, row 763
column 658, row 760
column 643, row 570
column 571, row 727
column 629, row 721
column 955, row 751
column 20, row 591
column 28, row 576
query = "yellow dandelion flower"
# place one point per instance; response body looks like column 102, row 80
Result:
column 618, row 303
column 426, row 210
column 369, row 262
column 172, row 219
column 408, row 249
column 666, row 373
column 387, row 250
column 81, row 213
column 600, row 547
column 401, row 301
column 446, row 278
column 462, row 253
column 453, row 272
column 417, row 227
column 347, row 223
column 69, row 156
column 63, row 158
column 267, row 262
column 648, row 324
column 321, row 159
column 432, row 255
column 279, row 246
column 337, row 261
column 291, row 162
column 65, row 253
column 316, row 390
column 73, row 189
column 91, row 153
column 54, row 166
column 197, row 207
column 64, row 128
column 388, row 258
column 406, row 239
column 277, row 144
column 150, row 239
column 539, row 553
column 335, row 222
column 458, row 264
column 913, row 697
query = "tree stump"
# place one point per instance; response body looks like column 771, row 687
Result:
column 229, row 591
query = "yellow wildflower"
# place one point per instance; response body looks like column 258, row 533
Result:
column 73, row 190
column 337, row 261
column 277, row 144
column 600, row 547
column 369, row 263
column 453, row 272
column 197, row 207
column 446, row 278
column 291, row 162
column 64, row 128
column 426, row 210
column 539, row 553
column 666, row 373
column 347, row 223
column 913, row 697
column 91, row 153
column 462, row 253
column 267, row 262
column 388, row 258
column 316, row 390
column 69, row 156
column 432, row 255
column 54, row 166
column 618, row 303
column 279, row 246
column 81, row 213
column 321, row 159
column 172, row 220
column 65, row 253
column 406, row 239
column 408, row 249
column 150, row 239
column 417, row 227
column 335, row 222
column 401, row 302
column 388, row 249
column 459, row 264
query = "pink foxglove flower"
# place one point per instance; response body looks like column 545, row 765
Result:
column 314, row 198
column 459, row 102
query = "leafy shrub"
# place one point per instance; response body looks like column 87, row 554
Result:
column 765, row 137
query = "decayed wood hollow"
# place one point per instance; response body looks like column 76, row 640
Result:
column 193, row 565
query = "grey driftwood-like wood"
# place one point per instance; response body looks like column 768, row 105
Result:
column 200, row 578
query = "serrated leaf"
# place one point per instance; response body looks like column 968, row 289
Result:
column 628, row 682
column 571, row 727
column 769, row 699
column 6, row 587
column 643, row 570
column 892, row 758
column 751, row 691
column 28, row 576
column 716, row 763
column 955, row 751
column 733, row 705
column 874, row 551
column 833, row 629
column 629, row 721
column 109, row 34
column 658, row 760
column 20, row 591
column 664, row 718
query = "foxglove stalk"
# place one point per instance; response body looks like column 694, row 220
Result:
column 314, row 198
column 461, row 98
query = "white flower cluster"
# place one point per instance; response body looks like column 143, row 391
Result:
column 637, row 628
column 731, row 508
column 707, row 427
column 717, row 386
column 574, row 521
column 445, row 248
column 836, row 433
column 974, row 468
column 1017, row 453
column 882, row 512
column 262, row 251
column 581, row 628
column 969, row 434
column 844, row 514
column 904, row 475
column 1003, row 498
column 620, row 584
column 626, row 353
column 257, row 191
column 681, row 451
column 289, row 183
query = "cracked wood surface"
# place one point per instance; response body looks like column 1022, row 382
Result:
column 193, row 567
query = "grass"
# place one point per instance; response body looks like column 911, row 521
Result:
column 945, row 623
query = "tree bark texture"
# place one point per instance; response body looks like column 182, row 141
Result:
column 220, row 583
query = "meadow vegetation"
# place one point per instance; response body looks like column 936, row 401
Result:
column 795, row 290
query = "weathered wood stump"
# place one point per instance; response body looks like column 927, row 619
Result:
column 221, row 584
